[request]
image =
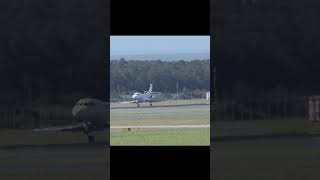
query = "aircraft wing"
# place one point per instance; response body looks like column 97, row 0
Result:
column 153, row 100
column 127, row 102
column 74, row 128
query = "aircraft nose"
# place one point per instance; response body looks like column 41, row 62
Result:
column 134, row 96
column 75, row 110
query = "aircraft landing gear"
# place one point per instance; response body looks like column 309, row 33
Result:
column 150, row 104
column 90, row 139
column 138, row 105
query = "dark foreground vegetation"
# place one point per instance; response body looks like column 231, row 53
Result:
column 266, row 51
column 52, row 51
column 266, row 47
column 267, row 56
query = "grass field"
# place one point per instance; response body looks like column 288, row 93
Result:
column 194, row 137
column 172, row 115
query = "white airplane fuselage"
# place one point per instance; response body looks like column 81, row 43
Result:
column 139, row 97
column 91, row 115
column 92, row 112
column 143, row 97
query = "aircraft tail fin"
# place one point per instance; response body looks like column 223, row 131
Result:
column 150, row 88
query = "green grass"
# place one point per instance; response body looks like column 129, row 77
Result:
column 169, row 137
column 189, row 115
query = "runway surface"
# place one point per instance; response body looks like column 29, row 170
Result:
column 162, row 126
column 77, row 161
column 281, row 139
column 161, row 106
column 295, row 138
column 56, row 146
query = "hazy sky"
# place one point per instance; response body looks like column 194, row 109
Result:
column 120, row 45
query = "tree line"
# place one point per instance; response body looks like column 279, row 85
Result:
column 128, row 76
column 266, row 48
column 53, row 50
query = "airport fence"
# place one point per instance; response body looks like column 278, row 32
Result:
column 260, row 108
column 34, row 117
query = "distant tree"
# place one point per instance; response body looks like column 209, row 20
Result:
column 53, row 48
column 136, row 75
column 267, row 45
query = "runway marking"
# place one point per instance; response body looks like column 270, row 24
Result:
column 162, row 126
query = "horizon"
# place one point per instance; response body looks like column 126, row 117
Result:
column 158, row 45
column 164, row 56
column 161, row 53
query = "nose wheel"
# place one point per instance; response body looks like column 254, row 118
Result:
column 138, row 105
column 89, row 135
column 90, row 139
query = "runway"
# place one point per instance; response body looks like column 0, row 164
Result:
column 281, row 139
column 161, row 106
column 162, row 127
column 291, row 138
column 55, row 161
column 57, row 146
column 266, row 157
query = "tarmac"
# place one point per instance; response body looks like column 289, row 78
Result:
column 296, row 139
column 57, row 146
column 162, row 127
column 161, row 106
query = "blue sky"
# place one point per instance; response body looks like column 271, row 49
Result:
column 120, row 45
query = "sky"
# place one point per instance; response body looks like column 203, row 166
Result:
column 137, row 45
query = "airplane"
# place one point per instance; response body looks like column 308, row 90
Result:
column 147, row 96
column 91, row 115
